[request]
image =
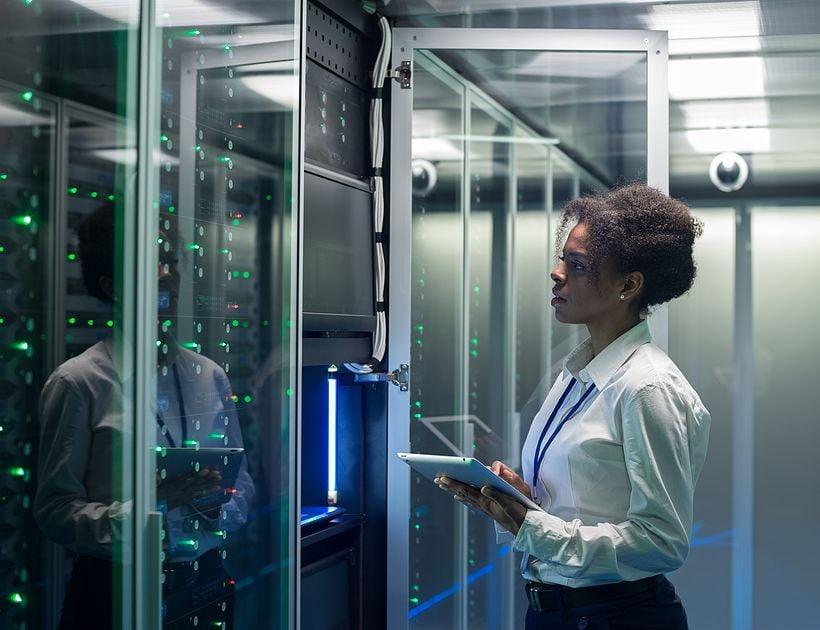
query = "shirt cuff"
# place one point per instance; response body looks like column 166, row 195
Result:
column 537, row 533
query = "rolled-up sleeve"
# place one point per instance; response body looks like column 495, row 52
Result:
column 656, row 425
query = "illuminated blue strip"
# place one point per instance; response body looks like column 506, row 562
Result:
column 331, row 434
column 455, row 588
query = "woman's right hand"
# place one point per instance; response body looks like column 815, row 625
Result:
column 511, row 477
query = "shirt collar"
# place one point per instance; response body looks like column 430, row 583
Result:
column 583, row 366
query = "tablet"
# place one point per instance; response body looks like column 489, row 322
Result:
column 175, row 461
column 466, row 470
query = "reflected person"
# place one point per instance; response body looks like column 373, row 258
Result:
column 79, row 506
column 615, row 452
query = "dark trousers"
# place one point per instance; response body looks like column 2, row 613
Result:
column 659, row 608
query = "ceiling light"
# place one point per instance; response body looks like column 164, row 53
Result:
column 723, row 114
column 703, row 20
column 739, row 140
column 721, row 77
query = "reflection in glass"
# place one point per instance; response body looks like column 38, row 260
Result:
column 224, row 180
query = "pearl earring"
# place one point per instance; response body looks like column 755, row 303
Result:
column 623, row 297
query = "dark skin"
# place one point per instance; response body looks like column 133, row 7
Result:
column 608, row 306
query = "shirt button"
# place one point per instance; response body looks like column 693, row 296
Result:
column 583, row 622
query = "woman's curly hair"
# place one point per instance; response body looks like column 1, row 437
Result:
column 643, row 230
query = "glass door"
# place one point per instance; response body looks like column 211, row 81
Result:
column 507, row 126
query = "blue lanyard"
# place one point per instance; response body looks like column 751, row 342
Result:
column 183, row 415
column 541, row 453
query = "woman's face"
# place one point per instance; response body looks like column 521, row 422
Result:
column 578, row 296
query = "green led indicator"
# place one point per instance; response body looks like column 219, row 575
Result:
column 235, row 274
column 163, row 138
column 417, row 526
column 190, row 344
column 474, row 353
column 27, row 96
column 216, row 436
column 2, row 250
column 158, row 449
column 235, row 323
column 416, row 587
column 248, row 399
column 419, row 342
column 72, row 320
column 235, row 222
column 3, row 176
column 192, row 33
column 218, row 532
column 17, row 472
column 20, row 345
column 417, row 403
column 474, row 341
column 223, row 251
column 226, row 47
column 24, row 220
column 187, row 543
column 72, row 256
column 471, row 561
column 110, row 323
column 417, row 416
column 476, row 289
column 224, row 158
column 246, row 274
column 167, row 323
column 222, row 344
column 73, row 190
column 190, row 442
column 420, row 328
column 111, row 197
column 90, row 322
column 246, row 324
column 192, row 246
column 159, row 343
column 94, row 194
column 414, row 600
column 268, row 197
column 288, row 392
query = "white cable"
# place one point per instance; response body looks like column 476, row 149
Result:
column 376, row 161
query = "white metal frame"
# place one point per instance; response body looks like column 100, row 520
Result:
column 405, row 42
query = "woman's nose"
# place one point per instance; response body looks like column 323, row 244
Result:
column 557, row 274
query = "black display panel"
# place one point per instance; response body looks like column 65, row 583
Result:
column 339, row 286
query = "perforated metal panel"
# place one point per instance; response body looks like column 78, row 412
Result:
column 334, row 45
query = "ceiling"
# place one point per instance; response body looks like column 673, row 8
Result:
column 744, row 76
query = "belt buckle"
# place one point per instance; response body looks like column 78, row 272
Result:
column 534, row 596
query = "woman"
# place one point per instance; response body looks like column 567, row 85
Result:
column 614, row 454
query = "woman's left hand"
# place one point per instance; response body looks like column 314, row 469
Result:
column 500, row 507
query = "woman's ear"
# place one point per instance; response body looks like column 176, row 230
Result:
column 633, row 285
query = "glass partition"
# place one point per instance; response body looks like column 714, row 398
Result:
column 224, row 171
column 488, row 185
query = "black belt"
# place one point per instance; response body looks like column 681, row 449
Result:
column 550, row 597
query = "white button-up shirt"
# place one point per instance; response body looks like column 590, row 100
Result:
column 618, row 480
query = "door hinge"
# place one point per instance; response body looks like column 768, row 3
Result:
column 403, row 73
column 401, row 377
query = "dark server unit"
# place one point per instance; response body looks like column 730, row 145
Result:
column 25, row 170
column 343, row 555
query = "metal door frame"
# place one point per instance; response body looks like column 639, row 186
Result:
column 654, row 44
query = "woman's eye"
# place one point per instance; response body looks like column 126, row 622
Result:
column 578, row 266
